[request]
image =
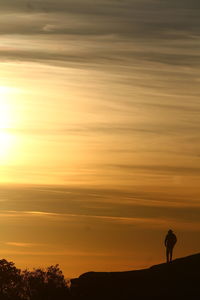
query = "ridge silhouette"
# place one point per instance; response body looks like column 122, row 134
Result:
column 174, row 281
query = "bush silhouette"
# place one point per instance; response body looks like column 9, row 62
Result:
column 11, row 285
column 44, row 284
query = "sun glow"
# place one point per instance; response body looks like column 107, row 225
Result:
column 6, row 138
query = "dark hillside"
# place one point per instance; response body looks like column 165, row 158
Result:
column 178, row 280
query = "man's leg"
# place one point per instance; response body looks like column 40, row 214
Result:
column 167, row 254
column 171, row 253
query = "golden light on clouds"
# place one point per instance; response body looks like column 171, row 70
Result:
column 11, row 119
column 99, row 129
column 6, row 139
column 6, row 142
column 5, row 109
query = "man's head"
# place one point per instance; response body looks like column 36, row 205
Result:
column 170, row 231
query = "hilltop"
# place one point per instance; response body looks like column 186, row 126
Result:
column 177, row 280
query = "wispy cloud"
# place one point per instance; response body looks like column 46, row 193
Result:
column 136, row 221
column 124, row 23
column 58, row 253
column 19, row 244
column 182, row 170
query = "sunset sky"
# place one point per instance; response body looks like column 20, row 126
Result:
column 99, row 132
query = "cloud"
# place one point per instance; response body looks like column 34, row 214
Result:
column 72, row 202
column 141, row 222
column 130, row 18
column 182, row 170
column 146, row 128
column 58, row 253
column 19, row 244
column 131, row 23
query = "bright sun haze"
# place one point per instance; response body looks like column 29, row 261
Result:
column 99, row 132
column 5, row 123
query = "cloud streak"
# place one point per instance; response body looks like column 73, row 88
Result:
column 125, row 24
column 20, row 244
column 134, row 221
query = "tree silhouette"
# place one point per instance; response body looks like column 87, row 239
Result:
column 11, row 285
column 45, row 284
column 39, row 284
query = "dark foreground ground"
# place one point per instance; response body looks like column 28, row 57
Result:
column 178, row 280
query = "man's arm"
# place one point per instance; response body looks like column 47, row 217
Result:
column 175, row 239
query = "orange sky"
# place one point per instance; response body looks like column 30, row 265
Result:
column 99, row 133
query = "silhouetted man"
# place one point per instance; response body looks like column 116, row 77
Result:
column 170, row 242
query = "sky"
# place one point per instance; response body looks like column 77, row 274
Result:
column 99, row 132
